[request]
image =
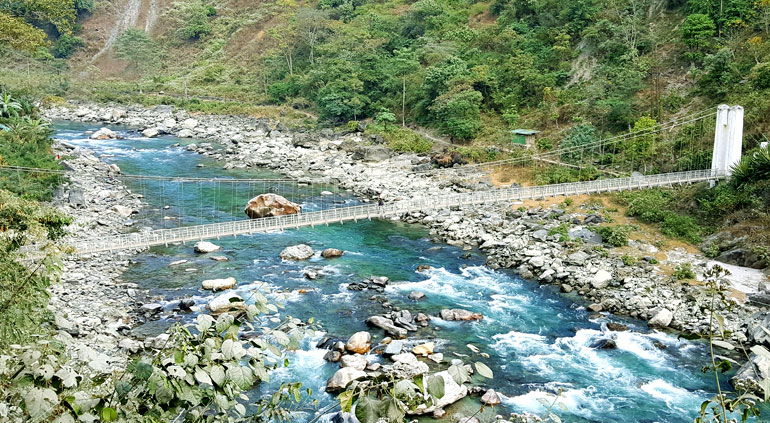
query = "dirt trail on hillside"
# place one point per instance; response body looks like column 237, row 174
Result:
column 129, row 17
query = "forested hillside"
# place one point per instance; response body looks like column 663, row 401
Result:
column 467, row 69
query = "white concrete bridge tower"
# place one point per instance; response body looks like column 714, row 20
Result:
column 728, row 139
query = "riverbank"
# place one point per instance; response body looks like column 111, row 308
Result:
column 538, row 242
column 94, row 309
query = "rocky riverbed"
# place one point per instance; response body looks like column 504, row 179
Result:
column 530, row 241
column 94, row 310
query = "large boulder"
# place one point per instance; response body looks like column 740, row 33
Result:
column 460, row 314
column 297, row 252
column 355, row 361
column 408, row 366
column 359, row 342
column 123, row 211
column 270, row 205
column 752, row 373
column 226, row 302
column 447, row 159
column 189, row 123
column 104, row 134
column 342, row 378
column 601, row 279
column 371, row 153
column 150, row 132
column 219, row 284
column 387, row 325
column 331, row 253
column 77, row 198
column 661, row 319
column 206, row 247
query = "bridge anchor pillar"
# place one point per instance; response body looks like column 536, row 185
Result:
column 728, row 140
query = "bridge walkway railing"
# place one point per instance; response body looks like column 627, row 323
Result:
column 368, row 211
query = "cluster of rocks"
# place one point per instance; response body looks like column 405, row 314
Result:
column 360, row 361
column 532, row 242
column 373, row 283
column 399, row 323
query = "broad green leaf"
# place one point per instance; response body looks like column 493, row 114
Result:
column 109, row 414
column 176, row 372
column 45, row 371
column 281, row 338
column 227, row 349
column 394, row 412
column 554, row 418
column 459, row 374
column 436, row 386
column 40, row 402
column 224, row 321
column 190, row 360
column 193, row 396
column 241, row 376
column 484, row 371
column 202, row 377
column 143, row 370
column 217, row 374
column 240, row 409
column 368, row 409
column 721, row 323
column 205, row 322
column 163, row 394
column 405, row 388
column 68, row 377
column 346, row 401
column 765, row 384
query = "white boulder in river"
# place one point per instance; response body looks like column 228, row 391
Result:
column 297, row 252
column 226, row 302
column 342, row 378
column 206, row 247
column 150, row 132
column 661, row 319
column 219, row 284
column 104, row 134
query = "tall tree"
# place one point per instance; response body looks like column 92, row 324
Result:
column 136, row 47
column 404, row 63
column 311, row 23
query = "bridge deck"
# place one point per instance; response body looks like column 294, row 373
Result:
column 341, row 214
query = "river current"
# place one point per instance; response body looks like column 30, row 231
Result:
column 538, row 340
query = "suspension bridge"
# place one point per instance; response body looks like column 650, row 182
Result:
column 332, row 206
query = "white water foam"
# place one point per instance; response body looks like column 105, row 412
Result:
column 580, row 402
column 674, row 396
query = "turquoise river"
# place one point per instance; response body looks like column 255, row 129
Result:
column 538, row 340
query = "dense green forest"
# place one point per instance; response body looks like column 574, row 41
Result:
column 468, row 70
column 472, row 70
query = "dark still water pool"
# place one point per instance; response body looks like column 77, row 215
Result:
column 538, row 341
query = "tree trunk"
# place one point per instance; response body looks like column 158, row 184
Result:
column 403, row 101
